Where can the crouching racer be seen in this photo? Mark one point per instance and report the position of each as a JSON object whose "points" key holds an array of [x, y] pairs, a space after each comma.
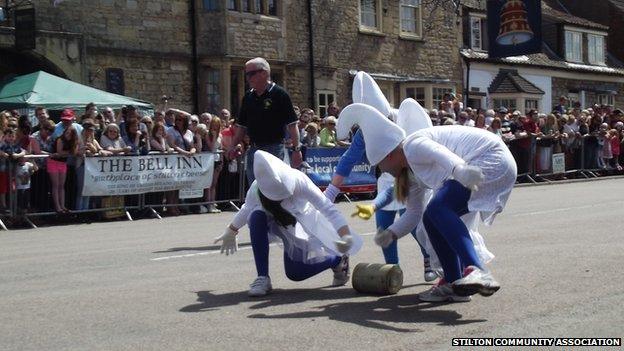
{"points": [[284, 205]]}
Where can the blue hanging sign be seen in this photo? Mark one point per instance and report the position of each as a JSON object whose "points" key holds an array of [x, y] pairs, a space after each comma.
{"points": [[514, 27]]}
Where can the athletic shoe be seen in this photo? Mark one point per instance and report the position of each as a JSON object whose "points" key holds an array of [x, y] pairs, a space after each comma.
{"points": [[260, 287], [477, 281], [203, 209], [341, 272], [442, 293], [212, 208], [430, 276]]}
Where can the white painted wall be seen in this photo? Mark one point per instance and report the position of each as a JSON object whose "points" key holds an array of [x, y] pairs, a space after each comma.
{"points": [[482, 78]]}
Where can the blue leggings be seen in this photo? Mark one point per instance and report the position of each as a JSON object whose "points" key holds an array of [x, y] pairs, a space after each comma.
{"points": [[295, 270], [448, 234], [384, 220]]}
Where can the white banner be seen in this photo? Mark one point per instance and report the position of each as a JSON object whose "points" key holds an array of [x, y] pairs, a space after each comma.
{"points": [[558, 163], [127, 175]]}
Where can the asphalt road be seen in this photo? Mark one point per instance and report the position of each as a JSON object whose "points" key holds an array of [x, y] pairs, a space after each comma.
{"points": [[162, 285]]}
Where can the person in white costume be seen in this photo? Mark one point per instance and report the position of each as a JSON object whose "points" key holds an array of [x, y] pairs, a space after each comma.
{"points": [[366, 91], [284, 205], [471, 172]]}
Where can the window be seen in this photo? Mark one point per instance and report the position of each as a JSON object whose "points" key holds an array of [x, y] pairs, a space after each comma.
{"points": [[438, 95], [478, 33], [272, 6], [232, 5], [417, 94], [246, 5], [531, 104], [574, 52], [369, 14], [410, 17], [509, 104], [213, 95], [605, 99], [595, 49], [259, 7], [323, 99], [210, 5], [574, 99]]}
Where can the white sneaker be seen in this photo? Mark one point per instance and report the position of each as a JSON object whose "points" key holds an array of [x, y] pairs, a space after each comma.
{"points": [[341, 272], [260, 287], [203, 209], [212, 208], [430, 276], [442, 293], [478, 281]]}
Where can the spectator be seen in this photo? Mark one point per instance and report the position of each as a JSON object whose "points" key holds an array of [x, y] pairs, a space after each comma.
{"points": [[496, 127], [158, 141], [266, 110], [67, 120], [136, 139], [205, 118], [170, 118], [23, 173], [328, 134], [332, 110], [225, 115], [312, 138], [42, 116], [65, 146], [180, 137], [604, 142], [615, 139], [489, 117], [109, 115], [547, 142], [479, 122], [112, 141], [149, 123], [88, 147], [562, 106], [213, 144], [25, 140], [182, 140], [10, 152]]}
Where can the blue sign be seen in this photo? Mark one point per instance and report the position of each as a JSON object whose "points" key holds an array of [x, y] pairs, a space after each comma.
{"points": [[514, 27], [323, 162]]}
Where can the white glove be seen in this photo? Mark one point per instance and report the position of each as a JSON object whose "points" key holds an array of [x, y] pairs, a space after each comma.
{"points": [[384, 238], [468, 176], [229, 242], [331, 192], [344, 243]]}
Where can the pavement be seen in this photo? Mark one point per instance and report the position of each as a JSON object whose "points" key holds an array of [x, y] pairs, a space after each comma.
{"points": [[162, 285]]}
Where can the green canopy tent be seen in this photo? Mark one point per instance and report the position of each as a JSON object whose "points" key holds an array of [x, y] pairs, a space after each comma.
{"points": [[55, 93]]}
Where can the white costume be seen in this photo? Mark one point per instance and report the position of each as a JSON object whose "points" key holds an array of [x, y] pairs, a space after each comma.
{"points": [[317, 218]]}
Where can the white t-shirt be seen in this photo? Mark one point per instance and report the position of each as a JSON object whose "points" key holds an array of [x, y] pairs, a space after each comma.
{"points": [[22, 175]]}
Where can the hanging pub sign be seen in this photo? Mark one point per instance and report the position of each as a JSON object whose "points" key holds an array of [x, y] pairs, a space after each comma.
{"points": [[514, 27], [25, 37]]}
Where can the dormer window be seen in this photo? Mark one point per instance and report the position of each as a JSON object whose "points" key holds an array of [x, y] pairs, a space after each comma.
{"points": [[573, 46], [478, 33], [595, 49]]}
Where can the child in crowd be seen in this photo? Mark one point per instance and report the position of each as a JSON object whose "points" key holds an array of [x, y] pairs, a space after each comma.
{"points": [[615, 149], [604, 142], [10, 150], [23, 172]]}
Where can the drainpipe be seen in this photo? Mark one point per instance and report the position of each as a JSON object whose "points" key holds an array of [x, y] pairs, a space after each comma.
{"points": [[195, 58], [467, 91], [311, 58]]}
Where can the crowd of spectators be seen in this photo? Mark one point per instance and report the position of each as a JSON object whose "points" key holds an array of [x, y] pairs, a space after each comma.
{"points": [[49, 157], [590, 138]]}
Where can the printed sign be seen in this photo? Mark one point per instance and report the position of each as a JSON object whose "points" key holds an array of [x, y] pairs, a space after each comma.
{"points": [[127, 175], [558, 163], [323, 162]]}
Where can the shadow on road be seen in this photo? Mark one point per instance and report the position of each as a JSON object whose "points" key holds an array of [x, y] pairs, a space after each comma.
{"points": [[198, 248], [372, 314]]}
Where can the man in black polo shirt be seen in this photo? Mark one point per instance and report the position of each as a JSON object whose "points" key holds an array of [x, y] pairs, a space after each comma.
{"points": [[265, 114]]}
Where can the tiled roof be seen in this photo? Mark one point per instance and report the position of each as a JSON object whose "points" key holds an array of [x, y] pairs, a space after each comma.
{"points": [[541, 60], [618, 3], [509, 81], [564, 17]]}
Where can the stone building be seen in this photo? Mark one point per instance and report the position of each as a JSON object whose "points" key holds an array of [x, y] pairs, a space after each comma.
{"points": [[195, 50], [575, 62]]}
